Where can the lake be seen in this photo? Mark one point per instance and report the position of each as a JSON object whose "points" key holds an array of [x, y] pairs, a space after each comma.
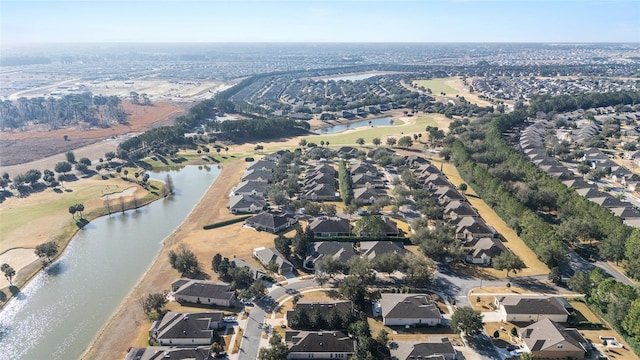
{"points": [[63, 308]]}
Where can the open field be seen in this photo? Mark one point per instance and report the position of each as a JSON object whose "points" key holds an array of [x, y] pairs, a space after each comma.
{"points": [[417, 334], [42, 149], [437, 86]]}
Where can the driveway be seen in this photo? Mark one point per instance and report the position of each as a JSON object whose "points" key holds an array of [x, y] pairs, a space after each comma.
{"points": [[250, 343]]}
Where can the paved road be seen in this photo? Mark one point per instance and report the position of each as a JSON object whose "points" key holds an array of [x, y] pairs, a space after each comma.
{"points": [[250, 343], [578, 264]]}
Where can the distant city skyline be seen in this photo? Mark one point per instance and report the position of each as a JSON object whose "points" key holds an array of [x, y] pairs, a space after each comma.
{"points": [[139, 21]]}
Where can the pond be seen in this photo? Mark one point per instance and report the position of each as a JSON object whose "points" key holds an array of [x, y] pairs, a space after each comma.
{"points": [[63, 308], [354, 124]]}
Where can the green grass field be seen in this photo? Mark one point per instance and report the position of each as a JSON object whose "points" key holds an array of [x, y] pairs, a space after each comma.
{"points": [[437, 86], [368, 134]]}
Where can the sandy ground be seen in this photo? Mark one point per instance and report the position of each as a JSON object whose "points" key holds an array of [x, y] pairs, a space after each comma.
{"points": [[29, 145], [124, 193], [464, 91]]}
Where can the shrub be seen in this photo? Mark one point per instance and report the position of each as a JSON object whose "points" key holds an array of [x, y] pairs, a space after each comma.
{"points": [[496, 334], [225, 223], [514, 332]]}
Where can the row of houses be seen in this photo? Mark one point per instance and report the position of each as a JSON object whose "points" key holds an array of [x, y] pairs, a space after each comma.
{"points": [[545, 337], [249, 195], [395, 309], [470, 228], [533, 146]]}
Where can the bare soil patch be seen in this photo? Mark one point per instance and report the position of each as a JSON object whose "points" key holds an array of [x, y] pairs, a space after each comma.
{"points": [[25, 146]]}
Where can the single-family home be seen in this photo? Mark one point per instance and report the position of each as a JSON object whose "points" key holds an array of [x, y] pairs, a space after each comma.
{"points": [[546, 339], [346, 152], [432, 350], [270, 222], [330, 226], [458, 208], [372, 249], [257, 175], [390, 227], [267, 255], [473, 227], [246, 204], [483, 250], [364, 180], [529, 309], [253, 188], [319, 345], [321, 192], [186, 329], [409, 309], [203, 292], [341, 251], [169, 352], [257, 273], [366, 195], [264, 165]]}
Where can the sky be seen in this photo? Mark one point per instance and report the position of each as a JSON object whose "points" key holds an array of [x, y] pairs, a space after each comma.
{"points": [[135, 21]]}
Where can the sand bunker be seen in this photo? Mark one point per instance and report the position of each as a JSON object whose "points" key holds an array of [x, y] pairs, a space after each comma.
{"points": [[124, 193]]}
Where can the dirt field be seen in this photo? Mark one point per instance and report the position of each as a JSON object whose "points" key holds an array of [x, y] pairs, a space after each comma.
{"points": [[23, 147]]}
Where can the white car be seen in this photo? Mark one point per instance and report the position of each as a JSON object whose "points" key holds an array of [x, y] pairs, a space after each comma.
{"points": [[229, 319]]}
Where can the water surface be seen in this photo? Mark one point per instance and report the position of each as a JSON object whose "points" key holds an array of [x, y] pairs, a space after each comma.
{"points": [[64, 307]]}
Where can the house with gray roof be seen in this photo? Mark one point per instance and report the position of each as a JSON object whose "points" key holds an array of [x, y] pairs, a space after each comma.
{"points": [[530, 308], [330, 226], [203, 292], [321, 192], [246, 204], [257, 273], [472, 228], [264, 165], [483, 250], [432, 350], [364, 180], [169, 352], [546, 339], [367, 195], [186, 329], [257, 175], [253, 188], [457, 209], [270, 221], [409, 309], [319, 345], [340, 250], [267, 255]]}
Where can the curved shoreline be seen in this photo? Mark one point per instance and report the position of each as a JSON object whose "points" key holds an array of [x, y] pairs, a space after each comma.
{"points": [[34, 271], [115, 336], [113, 316]]}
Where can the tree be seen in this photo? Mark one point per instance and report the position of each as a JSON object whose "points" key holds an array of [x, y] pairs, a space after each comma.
{"points": [[405, 142], [391, 141], [466, 320], [85, 161], [283, 245], [62, 167], [419, 270], [631, 323], [580, 282], [9, 272], [328, 265], [632, 253], [216, 348], [462, 187], [508, 261], [370, 226], [155, 302], [360, 141], [376, 141], [277, 350], [71, 157], [555, 275], [48, 250], [257, 288], [184, 260], [388, 262], [215, 262], [72, 211]]}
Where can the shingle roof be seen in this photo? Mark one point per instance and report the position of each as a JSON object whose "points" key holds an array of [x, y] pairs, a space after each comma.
{"points": [[176, 325], [408, 306], [546, 334], [269, 220], [330, 225], [166, 352], [319, 341], [245, 201], [201, 288], [271, 254], [246, 187], [532, 305]]}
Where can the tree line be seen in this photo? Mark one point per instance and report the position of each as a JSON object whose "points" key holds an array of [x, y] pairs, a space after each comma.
{"points": [[543, 211], [70, 109]]}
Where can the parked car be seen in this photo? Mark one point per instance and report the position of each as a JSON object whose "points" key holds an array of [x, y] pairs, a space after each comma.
{"points": [[229, 319]]}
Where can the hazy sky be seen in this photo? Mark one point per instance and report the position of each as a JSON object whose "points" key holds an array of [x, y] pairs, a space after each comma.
{"points": [[51, 21]]}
